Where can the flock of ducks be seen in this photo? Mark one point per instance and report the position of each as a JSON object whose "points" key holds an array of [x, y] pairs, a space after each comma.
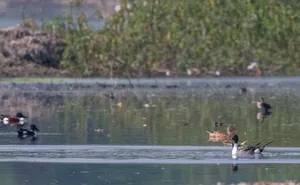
{"points": [[19, 121], [230, 138]]}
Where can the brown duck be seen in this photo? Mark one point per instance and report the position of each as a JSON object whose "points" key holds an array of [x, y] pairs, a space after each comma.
{"points": [[218, 136], [225, 138]]}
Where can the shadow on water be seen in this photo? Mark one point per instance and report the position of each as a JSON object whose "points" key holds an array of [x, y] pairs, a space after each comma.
{"points": [[99, 116]]}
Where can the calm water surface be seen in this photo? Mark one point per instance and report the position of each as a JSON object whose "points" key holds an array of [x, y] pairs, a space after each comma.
{"points": [[148, 135]]}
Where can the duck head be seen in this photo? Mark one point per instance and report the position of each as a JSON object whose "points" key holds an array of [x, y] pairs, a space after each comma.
{"points": [[230, 130], [20, 115], [235, 138], [34, 128]]}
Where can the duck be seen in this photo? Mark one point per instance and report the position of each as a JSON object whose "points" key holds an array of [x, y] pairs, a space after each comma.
{"points": [[246, 150], [224, 138], [218, 124], [229, 133], [13, 120], [217, 136], [22, 133], [243, 90], [262, 105]]}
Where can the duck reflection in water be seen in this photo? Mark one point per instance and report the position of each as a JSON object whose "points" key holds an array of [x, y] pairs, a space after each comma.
{"points": [[264, 110], [234, 167], [262, 115], [25, 133]]}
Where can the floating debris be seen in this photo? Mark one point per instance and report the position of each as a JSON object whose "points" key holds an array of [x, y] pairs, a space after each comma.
{"points": [[120, 105], [99, 130], [144, 125]]}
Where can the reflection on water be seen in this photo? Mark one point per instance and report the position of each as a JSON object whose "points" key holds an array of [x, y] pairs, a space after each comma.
{"points": [[142, 174], [151, 116], [126, 154], [79, 122]]}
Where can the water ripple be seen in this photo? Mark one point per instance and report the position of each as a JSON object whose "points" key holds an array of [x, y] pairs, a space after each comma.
{"points": [[139, 154]]}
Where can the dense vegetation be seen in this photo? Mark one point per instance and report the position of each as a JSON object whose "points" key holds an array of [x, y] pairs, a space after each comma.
{"points": [[150, 36]]}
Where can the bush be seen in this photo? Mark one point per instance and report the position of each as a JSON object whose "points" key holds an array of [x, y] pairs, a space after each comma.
{"points": [[146, 36]]}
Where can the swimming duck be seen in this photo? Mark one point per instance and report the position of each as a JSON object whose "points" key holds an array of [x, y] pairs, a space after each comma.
{"points": [[246, 150], [22, 133], [13, 120], [218, 124], [229, 132], [217, 136], [243, 90], [261, 104]]}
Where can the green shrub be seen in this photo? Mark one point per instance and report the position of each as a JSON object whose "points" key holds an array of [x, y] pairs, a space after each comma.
{"points": [[178, 34]]}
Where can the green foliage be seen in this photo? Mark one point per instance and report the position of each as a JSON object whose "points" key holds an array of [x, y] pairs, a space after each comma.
{"points": [[78, 55], [149, 35]]}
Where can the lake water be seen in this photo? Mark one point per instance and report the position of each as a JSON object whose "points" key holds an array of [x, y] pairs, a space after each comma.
{"points": [[152, 132], [15, 15]]}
